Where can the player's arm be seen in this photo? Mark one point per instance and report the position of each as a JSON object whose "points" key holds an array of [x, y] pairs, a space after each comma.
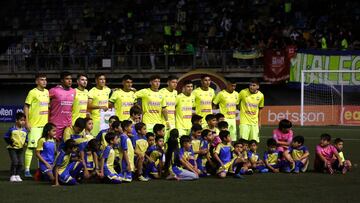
{"points": [[102, 163], [288, 156], [322, 158], [216, 156], [338, 158], [82, 159], [91, 106], [26, 112], [7, 138], [187, 164], [126, 157], [38, 155], [165, 114], [305, 155]]}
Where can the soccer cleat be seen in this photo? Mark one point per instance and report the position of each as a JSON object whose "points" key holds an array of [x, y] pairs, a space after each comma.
{"points": [[13, 178], [249, 172], [28, 174], [265, 170], [127, 180], [18, 178], [238, 176], [143, 179]]}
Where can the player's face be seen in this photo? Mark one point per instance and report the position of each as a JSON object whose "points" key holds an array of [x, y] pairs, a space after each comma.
{"points": [[21, 122], [160, 143], [210, 137], [324, 142], [339, 145], [197, 133], [246, 146], [231, 87], [213, 122], [89, 125], [161, 132], [295, 145], [111, 122], [101, 81], [82, 82], [52, 132], [206, 82], [187, 145], [172, 84], [42, 82], [272, 148], [151, 140], [188, 88], [155, 84], [67, 81], [228, 139], [285, 130], [239, 148], [136, 118], [253, 87], [143, 131], [118, 130], [127, 84], [253, 147], [129, 128]]}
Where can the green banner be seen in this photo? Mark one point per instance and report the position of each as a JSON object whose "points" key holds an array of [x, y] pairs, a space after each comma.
{"points": [[326, 60]]}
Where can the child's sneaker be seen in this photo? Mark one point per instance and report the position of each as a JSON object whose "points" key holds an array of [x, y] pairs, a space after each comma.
{"points": [[18, 178], [249, 172], [345, 169], [27, 174], [13, 178], [238, 176], [287, 169], [330, 169], [143, 179], [265, 170], [296, 170]]}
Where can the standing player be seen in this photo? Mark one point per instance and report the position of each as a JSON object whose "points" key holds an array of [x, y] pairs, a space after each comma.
{"points": [[204, 96], [61, 102], [184, 104], [251, 102], [98, 100], [153, 103], [36, 115], [169, 94], [123, 99], [227, 100], [81, 98]]}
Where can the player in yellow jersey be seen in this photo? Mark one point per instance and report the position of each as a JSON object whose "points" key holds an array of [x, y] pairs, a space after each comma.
{"points": [[123, 99], [227, 100], [79, 108], [153, 103], [204, 97], [251, 102], [36, 111], [98, 100], [184, 104], [169, 94]]}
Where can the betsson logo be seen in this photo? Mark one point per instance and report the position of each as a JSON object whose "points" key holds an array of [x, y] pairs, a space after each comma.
{"points": [[295, 116]]}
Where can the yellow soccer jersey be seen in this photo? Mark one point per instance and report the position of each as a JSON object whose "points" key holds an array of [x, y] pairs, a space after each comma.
{"points": [[17, 136], [80, 104], [99, 98], [195, 144], [141, 146], [123, 101], [152, 104], [203, 101], [184, 105], [227, 103], [170, 101], [249, 106], [38, 102]]}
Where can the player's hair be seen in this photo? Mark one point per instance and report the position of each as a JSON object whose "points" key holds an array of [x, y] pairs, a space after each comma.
{"points": [[172, 148], [219, 115], [139, 126], [149, 134], [40, 75], [271, 142], [93, 145], [80, 123], [47, 128], [231, 81], [195, 118], [223, 124], [254, 80], [116, 118], [126, 77], [154, 77], [243, 141], [135, 110], [238, 143], [223, 134], [284, 123], [338, 140], [205, 133], [210, 117], [87, 119], [64, 74], [116, 124], [203, 76], [19, 115], [171, 77], [253, 142], [157, 127], [184, 139], [69, 144], [326, 137], [110, 136], [299, 139], [157, 138], [97, 75], [174, 133], [81, 75], [186, 82], [196, 127], [125, 124]]}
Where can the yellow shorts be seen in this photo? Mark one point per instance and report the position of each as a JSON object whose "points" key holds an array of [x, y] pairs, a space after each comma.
{"points": [[34, 136], [232, 128], [249, 132]]}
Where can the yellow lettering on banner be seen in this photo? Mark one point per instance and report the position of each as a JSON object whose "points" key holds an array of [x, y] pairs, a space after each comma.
{"points": [[356, 115], [347, 115]]}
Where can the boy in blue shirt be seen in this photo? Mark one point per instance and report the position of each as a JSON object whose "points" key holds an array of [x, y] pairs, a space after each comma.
{"points": [[254, 158], [272, 156], [126, 152], [155, 158], [297, 155], [67, 171], [16, 138], [222, 153], [108, 159]]}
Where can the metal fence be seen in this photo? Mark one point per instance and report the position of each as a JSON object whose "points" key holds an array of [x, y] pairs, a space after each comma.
{"points": [[11, 63]]}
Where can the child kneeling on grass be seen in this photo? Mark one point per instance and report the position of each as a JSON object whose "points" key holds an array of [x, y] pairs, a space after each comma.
{"points": [[297, 156]]}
